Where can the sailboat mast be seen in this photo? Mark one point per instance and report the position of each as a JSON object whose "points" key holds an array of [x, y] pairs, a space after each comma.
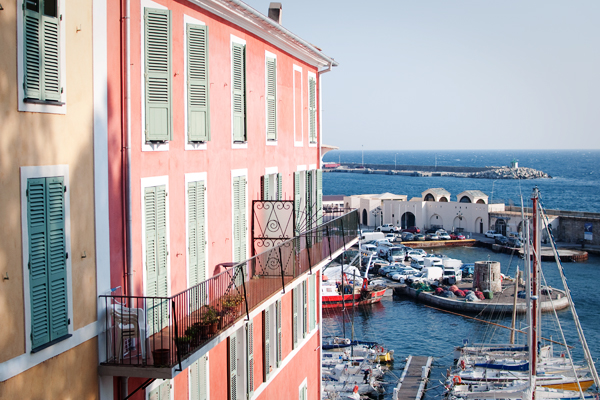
{"points": [[534, 285]]}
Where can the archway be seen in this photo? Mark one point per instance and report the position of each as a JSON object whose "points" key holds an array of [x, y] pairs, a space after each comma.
{"points": [[501, 226], [465, 199], [365, 215], [480, 201], [407, 220], [478, 225], [458, 224], [429, 197], [436, 221], [443, 199]]}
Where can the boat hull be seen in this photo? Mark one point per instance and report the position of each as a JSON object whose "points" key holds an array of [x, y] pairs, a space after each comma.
{"points": [[348, 300]]}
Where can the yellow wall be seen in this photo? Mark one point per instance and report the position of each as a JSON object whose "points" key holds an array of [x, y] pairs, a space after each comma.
{"points": [[39, 139], [71, 375]]}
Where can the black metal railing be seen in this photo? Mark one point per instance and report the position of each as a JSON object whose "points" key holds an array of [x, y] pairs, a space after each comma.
{"points": [[162, 331]]}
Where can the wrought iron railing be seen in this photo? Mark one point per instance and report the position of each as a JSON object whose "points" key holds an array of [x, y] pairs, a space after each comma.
{"points": [[161, 331]]}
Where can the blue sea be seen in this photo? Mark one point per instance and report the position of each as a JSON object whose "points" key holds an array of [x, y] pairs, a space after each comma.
{"points": [[411, 328], [575, 182]]}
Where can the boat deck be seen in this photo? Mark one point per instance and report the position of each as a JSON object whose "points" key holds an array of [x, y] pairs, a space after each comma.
{"points": [[414, 378]]}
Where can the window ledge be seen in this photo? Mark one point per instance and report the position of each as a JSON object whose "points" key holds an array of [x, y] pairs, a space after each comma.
{"points": [[46, 102], [42, 347]]}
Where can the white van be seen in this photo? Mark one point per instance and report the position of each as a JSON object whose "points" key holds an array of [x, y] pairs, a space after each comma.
{"points": [[433, 262], [372, 236]]}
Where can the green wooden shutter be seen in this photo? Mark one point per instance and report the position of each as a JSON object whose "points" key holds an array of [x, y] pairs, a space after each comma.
{"points": [[38, 261], [312, 110], [250, 358], [271, 98], [238, 58], [279, 187], [195, 381], [41, 53], [193, 234], [197, 85], [203, 378], [319, 202], [157, 70], [297, 201], [265, 187], [59, 314], [50, 58], [233, 395], [32, 82], [239, 218], [313, 302], [156, 256], [295, 316], [267, 341], [309, 196], [164, 391], [305, 309], [279, 342], [154, 394]]}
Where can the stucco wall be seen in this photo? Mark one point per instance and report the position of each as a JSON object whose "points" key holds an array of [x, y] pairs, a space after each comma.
{"points": [[40, 139]]}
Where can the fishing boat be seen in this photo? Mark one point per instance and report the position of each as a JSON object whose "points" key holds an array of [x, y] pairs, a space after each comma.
{"points": [[534, 373]]}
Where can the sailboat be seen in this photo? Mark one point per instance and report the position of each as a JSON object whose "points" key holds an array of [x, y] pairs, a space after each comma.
{"points": [[534, 382]]}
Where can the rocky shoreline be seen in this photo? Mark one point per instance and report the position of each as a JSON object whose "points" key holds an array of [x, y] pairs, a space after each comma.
{"points": [[510, 173]]}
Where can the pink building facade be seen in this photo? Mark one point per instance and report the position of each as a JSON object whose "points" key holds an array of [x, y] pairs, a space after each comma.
{"points": [[213, 114]]}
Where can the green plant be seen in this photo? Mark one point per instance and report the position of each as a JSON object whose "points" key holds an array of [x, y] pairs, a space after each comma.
{"points": [[210, 316], [232, 300]]}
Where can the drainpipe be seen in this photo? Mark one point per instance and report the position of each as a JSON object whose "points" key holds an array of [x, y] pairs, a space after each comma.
{"points": [[129, 283], [319, 73]]}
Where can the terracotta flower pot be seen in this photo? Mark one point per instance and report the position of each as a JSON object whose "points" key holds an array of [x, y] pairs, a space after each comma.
{"points": [[161, 357]]}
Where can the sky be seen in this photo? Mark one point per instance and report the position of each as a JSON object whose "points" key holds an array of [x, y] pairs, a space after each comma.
{"points": [[440, 74]]}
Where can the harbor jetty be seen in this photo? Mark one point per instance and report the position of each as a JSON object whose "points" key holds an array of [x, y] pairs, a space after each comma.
{"points": [[438, 170], [414, 378]]}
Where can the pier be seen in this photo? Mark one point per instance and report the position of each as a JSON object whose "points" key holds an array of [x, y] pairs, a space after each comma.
{"points": [[414, 378]]}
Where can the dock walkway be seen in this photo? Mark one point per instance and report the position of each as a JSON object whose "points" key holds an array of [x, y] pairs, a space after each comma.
{"points": [[414, 378]]}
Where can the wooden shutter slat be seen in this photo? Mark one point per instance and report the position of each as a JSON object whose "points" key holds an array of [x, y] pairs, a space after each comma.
{"points": [[193, 234], [233, 367], [239, 92], [50, 59], [267, 341], [33, 58], [279, 186], [250, 358]]}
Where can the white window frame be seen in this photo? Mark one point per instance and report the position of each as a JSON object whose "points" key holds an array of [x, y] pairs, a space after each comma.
{"points": [[303, 388], [234, 174], [189, 145], [234, 39], [44, 172], [301, 142], [271, 142], [145, 183], [147, 146], [272, 172], [314, 76], [33, 107], [195, 177]]}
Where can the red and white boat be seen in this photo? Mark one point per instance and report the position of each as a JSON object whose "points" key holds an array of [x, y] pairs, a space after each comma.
{"points": [[332, 297]]}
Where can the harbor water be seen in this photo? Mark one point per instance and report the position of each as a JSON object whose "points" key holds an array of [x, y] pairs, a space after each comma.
{"points": [[411, 328]]}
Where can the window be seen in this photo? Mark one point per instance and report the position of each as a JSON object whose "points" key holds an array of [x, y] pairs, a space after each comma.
{"points": [[298, 106], [272, 186], [42, 71], [199, 379], [299, 313], [241, 363], [270, 340], [312, 108], [239, 218], [157, 75], [238, 91], [271, 96], [303, 391], [308, 199], [249, 359], [156, 255], [313, 302], [198, 111], [278, 339], [47, 260]]}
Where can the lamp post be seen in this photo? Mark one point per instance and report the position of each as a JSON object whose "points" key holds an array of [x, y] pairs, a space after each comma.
{"points": [[377, 211]]}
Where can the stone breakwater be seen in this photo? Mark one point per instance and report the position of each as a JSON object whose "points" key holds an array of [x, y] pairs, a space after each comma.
{"points": [[510, 173], [454, 171]]}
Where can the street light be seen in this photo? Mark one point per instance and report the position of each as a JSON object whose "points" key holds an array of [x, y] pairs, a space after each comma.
{"points": [[377, 211]]}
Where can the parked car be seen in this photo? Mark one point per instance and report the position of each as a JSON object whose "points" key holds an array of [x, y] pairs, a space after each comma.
{"points": [[468, 270], [407, 236], [415, 254], [502, 240], [514, 242], [457, 236], [490, 234], [386, 228], [412, 229], [390, 236], [432, 236], [417, 263], [419, 236], [444, 236]]}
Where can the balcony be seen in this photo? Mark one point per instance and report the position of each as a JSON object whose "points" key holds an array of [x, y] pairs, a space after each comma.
{"points": [[158, 337]]}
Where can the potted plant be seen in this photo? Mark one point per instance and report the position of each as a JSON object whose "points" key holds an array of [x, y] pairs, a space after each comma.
{"points": [[231, 302], [211, 318], [184, 343]]}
